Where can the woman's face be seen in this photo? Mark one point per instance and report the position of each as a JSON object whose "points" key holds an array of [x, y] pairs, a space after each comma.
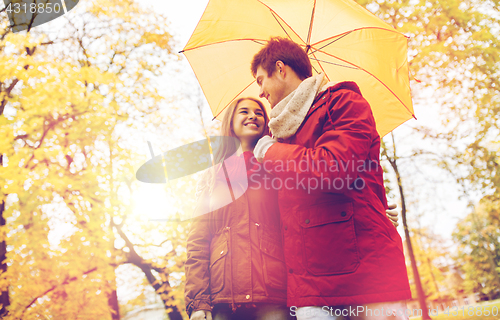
{"points": [[248, 121]]}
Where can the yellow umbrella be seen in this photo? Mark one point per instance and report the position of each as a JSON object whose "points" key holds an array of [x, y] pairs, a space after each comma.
{"points": [[342, 39]]}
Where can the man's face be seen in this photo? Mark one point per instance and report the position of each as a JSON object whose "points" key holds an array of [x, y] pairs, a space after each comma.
{"points": [[272, 88]]}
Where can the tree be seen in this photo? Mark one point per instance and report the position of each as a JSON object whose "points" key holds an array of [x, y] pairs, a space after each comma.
{"points": [[431, 256], [66, 102], [478, 238], [4, 295], [392, 157]]}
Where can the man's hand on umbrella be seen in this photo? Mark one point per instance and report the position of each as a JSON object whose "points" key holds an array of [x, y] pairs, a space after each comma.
{"points": [[393, 214]]}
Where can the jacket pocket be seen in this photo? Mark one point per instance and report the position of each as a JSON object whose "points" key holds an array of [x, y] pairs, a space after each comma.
{"points": [[329, 238], [273, 261], [218, 265]]}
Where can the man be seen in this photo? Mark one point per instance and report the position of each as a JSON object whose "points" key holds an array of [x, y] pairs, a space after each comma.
{"points": [[344, 258]]}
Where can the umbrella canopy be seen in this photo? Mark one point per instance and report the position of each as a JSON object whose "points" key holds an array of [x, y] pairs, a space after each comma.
{"points": [[343, 40]]}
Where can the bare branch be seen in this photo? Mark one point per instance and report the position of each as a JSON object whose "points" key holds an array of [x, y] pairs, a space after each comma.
{"points": [[54, 287]]}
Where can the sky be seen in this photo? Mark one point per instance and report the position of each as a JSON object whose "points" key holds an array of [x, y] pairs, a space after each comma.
{"points": [[184, 15]]}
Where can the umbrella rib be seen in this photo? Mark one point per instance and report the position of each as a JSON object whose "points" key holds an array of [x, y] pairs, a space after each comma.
{"points": [[277, 15], [257, 41], [359, 68], [218, 114], [358, 29], [324, 72], [224, 41], [317, 70], [335, 64], [274, 16], [310, 26], [337, 39]]}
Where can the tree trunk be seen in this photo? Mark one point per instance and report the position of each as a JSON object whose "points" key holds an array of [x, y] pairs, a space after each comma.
{"points": [[440, 300], [113, 304], [416, 275], [414, 268], [162, 288], [4, 295]]}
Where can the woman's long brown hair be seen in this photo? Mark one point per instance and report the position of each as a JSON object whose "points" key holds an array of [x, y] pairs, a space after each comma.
{"points": [[228, 147]]}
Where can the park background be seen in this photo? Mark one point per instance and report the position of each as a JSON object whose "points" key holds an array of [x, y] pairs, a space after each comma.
{"points": [[80, 96]]}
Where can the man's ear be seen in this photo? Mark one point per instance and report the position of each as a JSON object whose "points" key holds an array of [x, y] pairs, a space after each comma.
{"points": [[280, 68]]}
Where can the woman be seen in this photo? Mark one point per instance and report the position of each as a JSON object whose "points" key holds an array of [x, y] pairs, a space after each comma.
{"points": [[235, 266]]}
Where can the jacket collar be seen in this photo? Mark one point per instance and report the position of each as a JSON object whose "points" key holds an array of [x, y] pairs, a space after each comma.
{"points": [[289, 113]]}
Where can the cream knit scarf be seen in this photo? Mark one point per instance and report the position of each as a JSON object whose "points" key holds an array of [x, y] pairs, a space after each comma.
{"points": [[288, 114]]}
